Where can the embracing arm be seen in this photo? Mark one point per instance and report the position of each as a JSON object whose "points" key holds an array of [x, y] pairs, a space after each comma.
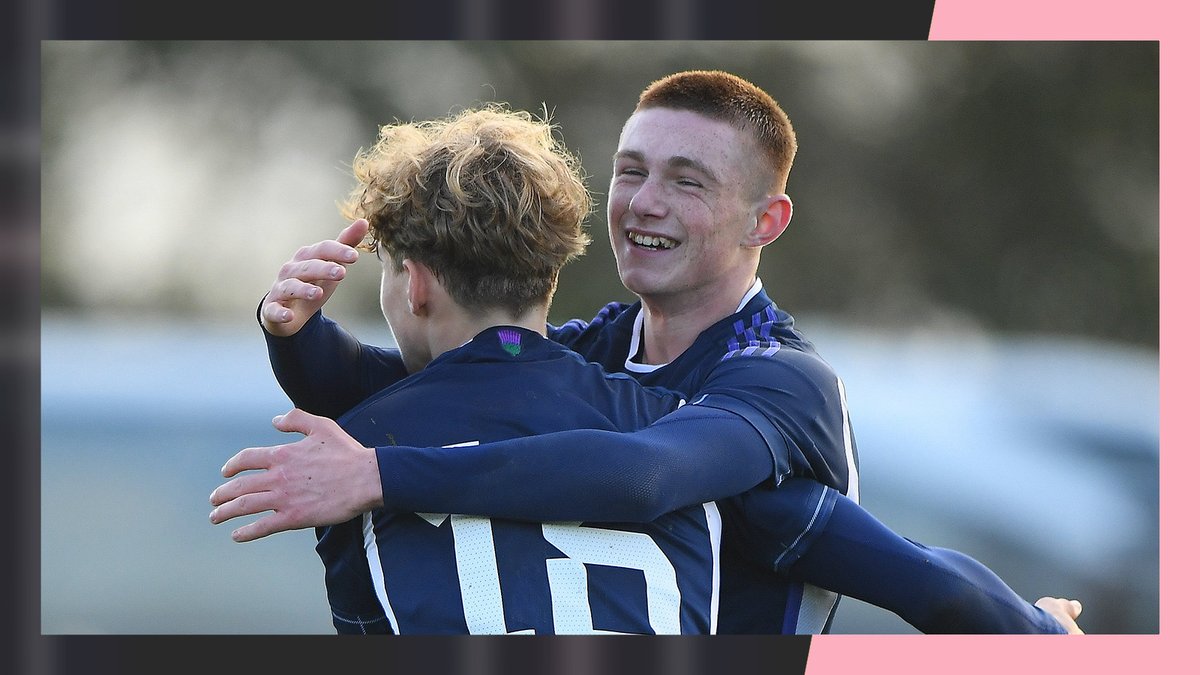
{"points": [[709, 449], [695, 454], [326, 371], [936, 590], [322, 368], [739, 431]]}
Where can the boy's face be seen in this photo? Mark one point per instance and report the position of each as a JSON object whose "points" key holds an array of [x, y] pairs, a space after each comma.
{"points": [[679, 203]]}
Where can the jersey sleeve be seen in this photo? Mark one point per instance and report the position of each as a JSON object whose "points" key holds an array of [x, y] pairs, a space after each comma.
{"points": [[795, 402], [693, 455], [568, 333], [756, 420], [577, 334], [775, 526], [936, 590], [326, 371]]}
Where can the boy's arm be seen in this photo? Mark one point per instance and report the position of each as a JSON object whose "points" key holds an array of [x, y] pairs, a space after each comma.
{"points": [[345, 374], [693, 455], [936, 590], [696, 454], [322, 368], [723, 443]]}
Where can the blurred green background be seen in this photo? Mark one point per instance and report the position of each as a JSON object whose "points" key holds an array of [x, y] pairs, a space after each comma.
{"points": [[974, 249]]}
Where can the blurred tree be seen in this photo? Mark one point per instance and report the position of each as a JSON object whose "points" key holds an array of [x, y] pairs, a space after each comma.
{"points": [[1007, 186]]}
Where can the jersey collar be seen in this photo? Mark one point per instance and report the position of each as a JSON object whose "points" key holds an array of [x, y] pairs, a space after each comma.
{"points": [[635, 339]]}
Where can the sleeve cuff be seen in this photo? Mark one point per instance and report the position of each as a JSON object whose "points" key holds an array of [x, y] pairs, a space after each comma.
{"points": [[776, 443]]}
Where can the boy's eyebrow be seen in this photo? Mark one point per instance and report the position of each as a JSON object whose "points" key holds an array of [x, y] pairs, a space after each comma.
{"points": [[693, 164], [675, 162]]}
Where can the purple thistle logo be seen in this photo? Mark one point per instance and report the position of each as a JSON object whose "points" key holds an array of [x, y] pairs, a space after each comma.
{"points": [[510, 340]]}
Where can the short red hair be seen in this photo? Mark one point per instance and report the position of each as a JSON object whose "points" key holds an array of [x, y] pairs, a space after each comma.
{"points": [[732, 99]]}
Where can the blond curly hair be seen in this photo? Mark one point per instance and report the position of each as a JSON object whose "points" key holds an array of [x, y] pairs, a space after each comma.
{"points": [[490, 199]]}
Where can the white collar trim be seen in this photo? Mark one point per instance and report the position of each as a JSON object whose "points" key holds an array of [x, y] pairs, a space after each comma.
{"points": [[635, 341]]}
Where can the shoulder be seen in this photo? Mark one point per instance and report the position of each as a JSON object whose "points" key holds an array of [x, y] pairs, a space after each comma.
{"points": [[761, 341], [787, 374], [617, 382], [577, 332], [758, 327], [575, 386], [607, 314]]}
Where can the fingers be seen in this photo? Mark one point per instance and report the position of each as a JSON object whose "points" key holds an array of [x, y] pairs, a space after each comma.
{"points": [[243, 505], [330, 252], [284, 481], [267, 525], [288, 295], [296, 420], [250, 504], [286, 290], [247, 460], [250, 494], [247, 484], [1073, 608], [313, 270], [306, 282], [250, 459], [354, 233], [276, 313], [1064, 611]]}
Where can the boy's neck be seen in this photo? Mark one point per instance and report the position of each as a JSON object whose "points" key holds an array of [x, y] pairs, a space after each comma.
{"points": [[669, 328], [460, 327]]}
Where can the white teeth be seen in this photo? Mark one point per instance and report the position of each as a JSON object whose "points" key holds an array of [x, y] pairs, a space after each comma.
{"points": [[652, 242]]}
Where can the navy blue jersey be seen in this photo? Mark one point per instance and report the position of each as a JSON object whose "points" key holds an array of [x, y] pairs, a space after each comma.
{"points": [[764, 406], [774, 390], [451, 573], [755, 364]]}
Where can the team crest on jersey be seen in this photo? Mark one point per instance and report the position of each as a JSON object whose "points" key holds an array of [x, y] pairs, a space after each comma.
{"points": [[510, 341]]}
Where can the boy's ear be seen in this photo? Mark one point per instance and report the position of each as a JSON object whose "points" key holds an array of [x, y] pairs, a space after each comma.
{"points": [[773, 218], [418, 286]]}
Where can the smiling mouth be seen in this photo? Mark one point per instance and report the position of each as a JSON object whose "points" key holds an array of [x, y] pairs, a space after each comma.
{"points": [[651, 242]]}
